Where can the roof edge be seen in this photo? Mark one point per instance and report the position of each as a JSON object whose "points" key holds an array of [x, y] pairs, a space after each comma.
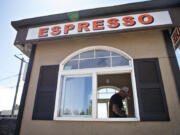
{"points": [[95, 12]]}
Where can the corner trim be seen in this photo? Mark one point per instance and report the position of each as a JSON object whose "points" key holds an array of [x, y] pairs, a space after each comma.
{"points": [[173, 60], [24, 93]]}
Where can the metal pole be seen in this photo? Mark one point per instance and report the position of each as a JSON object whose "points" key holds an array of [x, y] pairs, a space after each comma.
{"points": [[17, 86]]}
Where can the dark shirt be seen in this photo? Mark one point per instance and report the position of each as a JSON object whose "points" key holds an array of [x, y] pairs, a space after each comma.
{"points": [[115, 99]]}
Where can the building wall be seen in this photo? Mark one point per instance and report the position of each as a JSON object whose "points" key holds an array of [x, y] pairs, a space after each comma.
{"points": [[142, 44]]}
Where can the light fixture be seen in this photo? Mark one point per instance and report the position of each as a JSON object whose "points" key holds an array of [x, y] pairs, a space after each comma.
{"points": [[107, 80]]}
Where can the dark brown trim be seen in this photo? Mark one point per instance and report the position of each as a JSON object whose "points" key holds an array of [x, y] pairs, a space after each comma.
{"points": [[174, 13], [25, 90], [21, 36], [173, 60]]}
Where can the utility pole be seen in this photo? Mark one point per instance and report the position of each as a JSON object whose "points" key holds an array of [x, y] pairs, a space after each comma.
{"points": [[17, 86]]}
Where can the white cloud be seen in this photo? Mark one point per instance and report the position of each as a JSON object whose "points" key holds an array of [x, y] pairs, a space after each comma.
{"points": [[7, 97]]}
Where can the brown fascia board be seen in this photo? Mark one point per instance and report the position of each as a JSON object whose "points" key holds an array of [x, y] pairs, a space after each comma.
{"points": [[104, 11]]}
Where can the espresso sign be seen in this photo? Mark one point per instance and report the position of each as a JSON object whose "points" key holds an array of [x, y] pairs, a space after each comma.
{"points": [[117, 23]]}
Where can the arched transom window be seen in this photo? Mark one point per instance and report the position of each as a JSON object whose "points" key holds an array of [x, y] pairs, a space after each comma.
{"points": [[95, 59]]}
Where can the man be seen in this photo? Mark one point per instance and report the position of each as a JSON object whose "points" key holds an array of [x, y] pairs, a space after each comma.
{"points": [[116, 108]]}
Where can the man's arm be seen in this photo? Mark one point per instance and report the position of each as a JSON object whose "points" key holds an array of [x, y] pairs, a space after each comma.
{"points": [[117, 110]]}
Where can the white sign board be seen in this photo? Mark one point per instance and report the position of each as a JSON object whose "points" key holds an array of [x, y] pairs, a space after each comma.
{"points": [[100, 25]]}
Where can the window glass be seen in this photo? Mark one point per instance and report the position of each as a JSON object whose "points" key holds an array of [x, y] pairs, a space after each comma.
{"points": [[94, 63], [102, 53], [75, 57], [103, 90], [114, 54], [178, 56], [77, 96], [96, 59], [88, 54], [102, 112], [106, 93], [73, 64], [119, 61], [111, 90]]}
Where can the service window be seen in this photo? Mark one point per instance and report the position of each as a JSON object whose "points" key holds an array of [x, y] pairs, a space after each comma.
{"points": [[109, 85]]}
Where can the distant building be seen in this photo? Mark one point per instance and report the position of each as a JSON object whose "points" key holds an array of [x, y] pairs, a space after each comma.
{"points": [[5, 113], [78, 60]]}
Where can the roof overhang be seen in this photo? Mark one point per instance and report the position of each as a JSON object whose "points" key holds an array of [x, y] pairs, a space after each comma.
{"points": [[22, 26]]}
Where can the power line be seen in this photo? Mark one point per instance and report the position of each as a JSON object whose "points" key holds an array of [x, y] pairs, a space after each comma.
{"points": [[8, 77], [13, 86]]}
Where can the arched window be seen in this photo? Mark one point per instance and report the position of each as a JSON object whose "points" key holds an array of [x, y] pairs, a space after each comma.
{"points": [[83, 72], [96, 59], [104, 94]]}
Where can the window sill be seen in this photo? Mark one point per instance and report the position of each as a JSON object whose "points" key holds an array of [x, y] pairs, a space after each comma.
{"points": [[93, 119]]}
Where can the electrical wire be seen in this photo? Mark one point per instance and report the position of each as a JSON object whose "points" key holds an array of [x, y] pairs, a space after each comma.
{"points": [[8, 77], [14, 86]]}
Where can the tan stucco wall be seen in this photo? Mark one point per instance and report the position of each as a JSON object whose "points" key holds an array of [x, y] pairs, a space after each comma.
{"points": [[144, 44]]}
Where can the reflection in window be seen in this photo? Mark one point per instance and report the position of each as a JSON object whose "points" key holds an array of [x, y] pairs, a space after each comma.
{"points": [[88, 54], [178, 56], [102, 53], [94, 63], [72, 64], [102, 110], [96, 59], [77, 93], [104, 95]]}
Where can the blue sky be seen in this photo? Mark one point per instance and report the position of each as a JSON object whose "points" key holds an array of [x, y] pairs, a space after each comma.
{"points": [[12, 10], [21, 9]]}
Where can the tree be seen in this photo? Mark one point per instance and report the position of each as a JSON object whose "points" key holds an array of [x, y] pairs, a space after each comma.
{"points": [[16, 107]]}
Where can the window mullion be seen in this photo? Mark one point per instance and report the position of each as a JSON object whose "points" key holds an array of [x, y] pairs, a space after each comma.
{"points": [[62, 100], [136, 107], [94, 96], [110, 59]]}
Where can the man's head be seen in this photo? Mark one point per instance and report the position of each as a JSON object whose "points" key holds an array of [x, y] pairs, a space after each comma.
{"points": [[124, 92]]}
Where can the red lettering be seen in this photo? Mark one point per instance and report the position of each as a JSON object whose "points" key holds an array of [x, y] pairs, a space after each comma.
{"points": [[82, 26], [98, 25], [43, 32], [113, 23], [128, 21], [68, 27], [55, 30], [149, 20], [176, 37]]}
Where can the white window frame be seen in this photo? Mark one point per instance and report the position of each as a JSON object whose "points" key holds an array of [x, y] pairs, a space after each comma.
{"points": [[94, 72]]}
